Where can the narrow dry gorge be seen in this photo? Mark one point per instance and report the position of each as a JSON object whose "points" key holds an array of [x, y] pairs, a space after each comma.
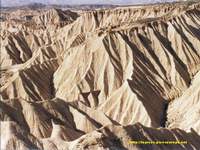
{"points": [[96, 79]]}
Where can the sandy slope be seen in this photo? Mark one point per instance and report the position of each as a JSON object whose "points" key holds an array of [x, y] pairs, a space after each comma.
{"points": [[97, 79]]}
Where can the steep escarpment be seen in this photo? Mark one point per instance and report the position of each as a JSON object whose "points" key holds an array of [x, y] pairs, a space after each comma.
{"points": [[147, 60], [102, 78], [188, 108], [56, 17]]}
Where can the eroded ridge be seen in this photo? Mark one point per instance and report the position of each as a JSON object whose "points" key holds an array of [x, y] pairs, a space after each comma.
{"points": [[96, 79]]}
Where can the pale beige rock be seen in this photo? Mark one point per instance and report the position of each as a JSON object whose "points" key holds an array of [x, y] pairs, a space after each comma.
{"points": [[186, 117], [99, 78]]}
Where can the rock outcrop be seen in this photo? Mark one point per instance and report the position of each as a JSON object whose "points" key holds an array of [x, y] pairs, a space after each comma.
{"points": [[98, 79]]}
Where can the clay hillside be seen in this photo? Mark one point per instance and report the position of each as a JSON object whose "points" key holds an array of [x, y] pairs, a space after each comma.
{"points": [[75, 79]]}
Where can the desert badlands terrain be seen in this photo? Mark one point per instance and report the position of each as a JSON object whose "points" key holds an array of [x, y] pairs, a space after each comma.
{"points": [[77, 79]]}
